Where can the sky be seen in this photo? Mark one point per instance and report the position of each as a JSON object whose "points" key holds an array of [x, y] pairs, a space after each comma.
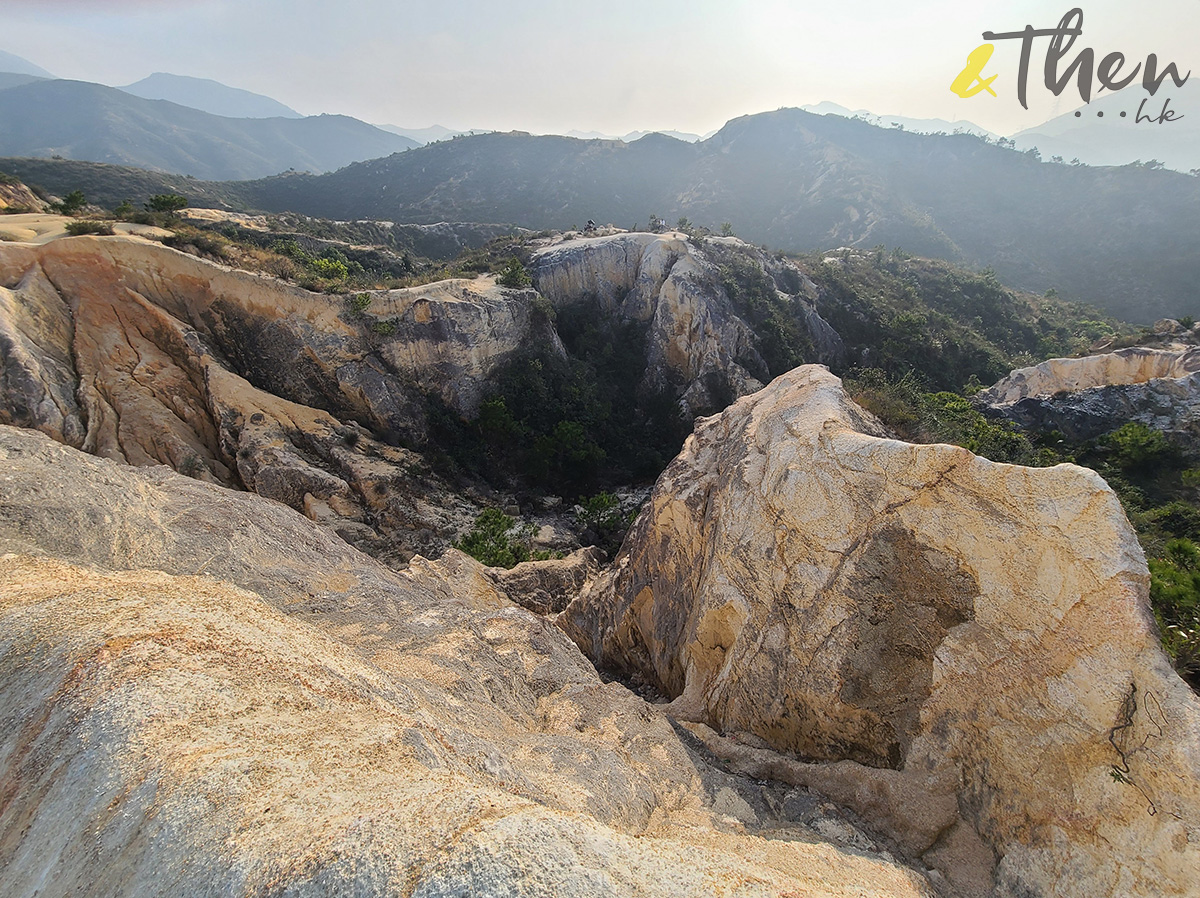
{"points": [[613, 66]]}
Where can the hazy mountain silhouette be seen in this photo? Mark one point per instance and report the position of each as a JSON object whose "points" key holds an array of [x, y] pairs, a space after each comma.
{"points": [[209, 96], [15, 64], [1100, 135], [81, 120]]}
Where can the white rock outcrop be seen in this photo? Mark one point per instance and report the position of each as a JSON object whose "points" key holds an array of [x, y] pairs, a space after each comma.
{"points": [[962, 650], [1135, 365], [1087, 397]]}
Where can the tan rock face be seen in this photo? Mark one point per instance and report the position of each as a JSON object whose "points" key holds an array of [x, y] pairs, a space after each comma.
{"points": [[1086, 398], [928, 630], [547, 587], [132, 351], [204, 694], [15, 195]]}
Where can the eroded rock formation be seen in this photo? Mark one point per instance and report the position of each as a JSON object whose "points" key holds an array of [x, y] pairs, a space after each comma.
{"points": [[136, 352], [1135, 365], [698, 347], [145, 355], [15, 195], [1086, 397], [960, 649], [204, 694]]}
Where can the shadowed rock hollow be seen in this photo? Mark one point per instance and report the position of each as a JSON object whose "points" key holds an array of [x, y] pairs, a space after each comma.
{"points": [[961, 650], [139, 353]]}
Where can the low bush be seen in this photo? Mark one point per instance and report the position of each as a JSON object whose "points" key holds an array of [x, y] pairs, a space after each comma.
{"points": [[497, 540], [87, 226], [514, 275]]}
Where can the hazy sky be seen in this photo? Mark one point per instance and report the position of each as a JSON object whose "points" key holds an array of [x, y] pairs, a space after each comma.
{"points": [[604, 65]]}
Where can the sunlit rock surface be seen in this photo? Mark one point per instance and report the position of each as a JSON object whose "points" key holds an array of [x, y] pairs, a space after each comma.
{"points": [[202, 693], [962, 650]]}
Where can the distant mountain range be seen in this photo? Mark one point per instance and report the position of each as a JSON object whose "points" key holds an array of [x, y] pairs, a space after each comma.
{"points": [[919, 125], [431, 134], [685, 136], [16, 65], [1100, 135], [1127, 239], [81, 120], [209, 96]]}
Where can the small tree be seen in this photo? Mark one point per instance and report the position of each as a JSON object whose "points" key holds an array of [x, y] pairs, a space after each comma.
{"points": [[514, 275], [497, 540], [169, 203], [72, 202]]}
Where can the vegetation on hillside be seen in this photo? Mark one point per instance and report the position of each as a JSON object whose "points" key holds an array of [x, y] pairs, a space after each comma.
{"points": [[569, 426], [954, 326]]}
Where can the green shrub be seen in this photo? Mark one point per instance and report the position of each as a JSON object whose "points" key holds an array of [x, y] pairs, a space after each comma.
{"points": [[497, 540], [167, 203], [87, 226], [544, 308], [514, 275], [200, 241], [359, 302], [1135, 447], [335, 269], [602, 515], [71, 203], [384, 328]]}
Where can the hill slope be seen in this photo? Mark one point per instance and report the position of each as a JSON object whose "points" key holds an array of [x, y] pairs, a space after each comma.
{"points": [[1127, 238], [88, 121]]}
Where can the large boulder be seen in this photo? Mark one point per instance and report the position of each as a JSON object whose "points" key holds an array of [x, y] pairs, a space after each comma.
{"points": [[201, 693], [961, 649]]}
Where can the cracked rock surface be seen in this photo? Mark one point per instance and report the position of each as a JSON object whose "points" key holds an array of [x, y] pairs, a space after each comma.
{"points": [[204, 694], [961, 650]]}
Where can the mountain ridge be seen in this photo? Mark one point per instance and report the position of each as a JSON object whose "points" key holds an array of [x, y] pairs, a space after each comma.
{"points": [[84, 120], [802, 182], [208, 96]]}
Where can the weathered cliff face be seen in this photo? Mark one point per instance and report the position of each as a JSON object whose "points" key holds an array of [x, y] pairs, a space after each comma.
{"points": [[202, 693], [963, 649], [145, 355], [694, 338], [1135, 365], [697, 347], [140, 353], [1086, 397], [304, 347]]}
